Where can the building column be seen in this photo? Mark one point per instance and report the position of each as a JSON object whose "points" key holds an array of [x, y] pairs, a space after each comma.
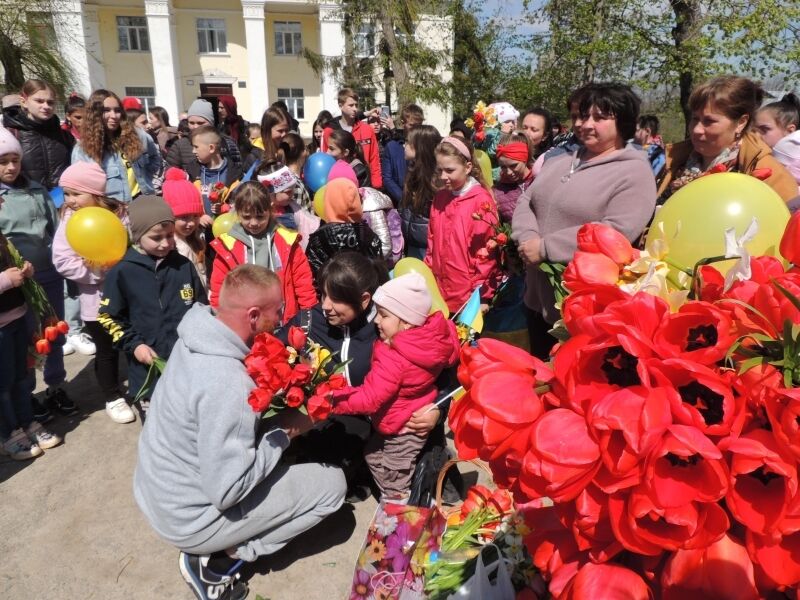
{"points": [[164, 53], [255, 38], [331, 45], [78, 39]]}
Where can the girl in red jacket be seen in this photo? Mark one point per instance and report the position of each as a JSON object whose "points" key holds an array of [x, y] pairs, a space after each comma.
{"points": [[457, 252], [413, 350], [257, 239]]}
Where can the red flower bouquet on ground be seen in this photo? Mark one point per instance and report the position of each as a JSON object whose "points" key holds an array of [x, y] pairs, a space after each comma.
{"points": [[658, 452], [301, 375]]}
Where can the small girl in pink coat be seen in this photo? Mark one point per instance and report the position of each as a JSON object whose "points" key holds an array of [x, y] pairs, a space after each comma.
{"points": [[413, 350]]}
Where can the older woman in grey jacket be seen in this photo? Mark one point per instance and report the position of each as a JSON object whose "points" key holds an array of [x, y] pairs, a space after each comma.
{"points": [[603, 181]]}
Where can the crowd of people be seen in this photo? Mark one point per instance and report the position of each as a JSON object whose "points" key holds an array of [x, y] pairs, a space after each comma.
{"points": [[212, 479]]}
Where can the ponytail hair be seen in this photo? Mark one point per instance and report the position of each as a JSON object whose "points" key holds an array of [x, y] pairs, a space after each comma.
{"points": [[446, 148], [346, 141], [786, 111], [290, 150]]}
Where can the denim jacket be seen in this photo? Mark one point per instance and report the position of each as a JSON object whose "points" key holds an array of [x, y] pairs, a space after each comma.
{"points": [[146, 168]]}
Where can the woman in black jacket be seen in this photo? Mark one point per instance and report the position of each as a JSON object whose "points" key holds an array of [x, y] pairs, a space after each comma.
{"points": [[46, 148]]}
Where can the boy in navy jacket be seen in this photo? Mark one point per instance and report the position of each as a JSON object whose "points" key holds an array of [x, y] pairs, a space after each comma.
{"points": [[147, 293]]}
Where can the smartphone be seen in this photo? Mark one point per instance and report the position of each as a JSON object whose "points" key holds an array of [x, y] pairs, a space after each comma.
{"points": [[385, 112]]}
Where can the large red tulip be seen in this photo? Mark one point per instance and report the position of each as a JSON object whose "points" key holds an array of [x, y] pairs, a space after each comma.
{"points": [[589, 269], [783, 409], [763, 480], [721, 571], [790, 242], [580, 309], [606, 582], [591, 525], [698, 331], [778, 558], [603, 239], [562, 459]]}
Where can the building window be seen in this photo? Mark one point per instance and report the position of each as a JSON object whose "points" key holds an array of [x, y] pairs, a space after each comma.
{"points": [[364, 40], [294, 99], [211, 36], [132, 34], [41, 30], [146, 95], [288, 37]]}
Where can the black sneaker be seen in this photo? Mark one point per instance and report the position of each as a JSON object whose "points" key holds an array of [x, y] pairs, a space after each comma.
{"points": [[40, 411], [208, 585], [58, 399]]}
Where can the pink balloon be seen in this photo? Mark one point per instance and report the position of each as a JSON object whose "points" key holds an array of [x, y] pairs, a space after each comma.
{"points": [[341, 169]]}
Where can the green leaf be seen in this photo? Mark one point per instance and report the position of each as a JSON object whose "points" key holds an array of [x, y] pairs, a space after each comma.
{"points": [[789, 295], [750, 363]]}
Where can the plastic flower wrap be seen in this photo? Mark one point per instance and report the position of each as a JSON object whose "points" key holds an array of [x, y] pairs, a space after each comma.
{"points": [[483, 118]]}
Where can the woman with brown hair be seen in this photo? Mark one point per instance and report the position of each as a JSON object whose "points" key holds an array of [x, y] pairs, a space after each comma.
{"points": [[722, 137], [46, 148], [419, 188], [128, 155]]}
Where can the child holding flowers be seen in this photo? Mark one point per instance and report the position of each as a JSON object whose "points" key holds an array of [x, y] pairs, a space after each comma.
{"points": [[259, 239], [84, 184], [460, 227], [413, 351]]}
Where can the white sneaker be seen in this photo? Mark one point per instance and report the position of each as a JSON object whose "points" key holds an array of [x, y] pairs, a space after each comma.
{"points": [[41, 437], [82, 343], [67, 348], [19, 447], [119, 411]]}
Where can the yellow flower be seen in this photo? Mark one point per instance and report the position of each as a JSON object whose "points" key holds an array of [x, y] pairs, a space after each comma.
{"points": [[375, 551], [469, 123], [419, 559]]}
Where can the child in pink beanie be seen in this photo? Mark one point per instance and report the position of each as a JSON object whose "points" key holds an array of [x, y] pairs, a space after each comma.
{"points": [[84, 185], [414, 349], [184, 199]]}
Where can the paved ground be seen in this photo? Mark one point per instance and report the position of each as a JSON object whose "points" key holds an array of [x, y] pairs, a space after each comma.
{"points": [[70, 529]]}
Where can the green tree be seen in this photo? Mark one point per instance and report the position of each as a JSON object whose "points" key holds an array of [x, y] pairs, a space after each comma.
{"points": [[27, 46]]}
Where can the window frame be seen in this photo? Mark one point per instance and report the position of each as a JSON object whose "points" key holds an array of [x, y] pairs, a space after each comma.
{"points": [[284, 30], [208, 34], [140, 29], [362, 37], [294, 100], [131, 90]]}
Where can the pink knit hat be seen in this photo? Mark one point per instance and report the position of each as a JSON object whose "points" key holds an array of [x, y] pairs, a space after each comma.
{"points": [[406, 296], [182, 196], [84, 177], [341, 169], [9, 144]]}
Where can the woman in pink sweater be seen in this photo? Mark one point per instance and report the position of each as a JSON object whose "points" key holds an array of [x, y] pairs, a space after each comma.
{"points": [[413, 350]]}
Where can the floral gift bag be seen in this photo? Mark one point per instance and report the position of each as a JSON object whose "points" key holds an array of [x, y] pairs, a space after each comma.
{"points": [[399, 541]]}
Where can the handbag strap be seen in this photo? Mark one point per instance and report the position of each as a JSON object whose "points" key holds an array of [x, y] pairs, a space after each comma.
{"points": [[443, 473]]}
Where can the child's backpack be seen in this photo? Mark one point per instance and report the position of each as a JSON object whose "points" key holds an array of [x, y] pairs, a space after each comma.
{"points": [[385, 221]]}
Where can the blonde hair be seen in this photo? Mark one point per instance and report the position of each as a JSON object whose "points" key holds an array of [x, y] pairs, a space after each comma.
{"points": [[245, 277], [445, 148]]}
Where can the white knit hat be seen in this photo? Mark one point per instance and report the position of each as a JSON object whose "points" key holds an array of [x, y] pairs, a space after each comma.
{"points": [[787, 152], [504, 112], [406, 296]]}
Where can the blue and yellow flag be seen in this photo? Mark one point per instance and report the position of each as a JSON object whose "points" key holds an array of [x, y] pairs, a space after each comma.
{"points": [[471, 314]]}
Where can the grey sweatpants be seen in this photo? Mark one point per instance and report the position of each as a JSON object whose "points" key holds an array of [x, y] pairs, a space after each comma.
{"points": [[289, 501]]}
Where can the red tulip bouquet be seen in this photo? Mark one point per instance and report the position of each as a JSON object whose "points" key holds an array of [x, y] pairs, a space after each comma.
{"points": [[300, 375], [665, 430]]}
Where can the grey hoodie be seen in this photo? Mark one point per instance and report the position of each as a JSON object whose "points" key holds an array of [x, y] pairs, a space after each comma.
{"points": [[199, 453], [618, 190]]}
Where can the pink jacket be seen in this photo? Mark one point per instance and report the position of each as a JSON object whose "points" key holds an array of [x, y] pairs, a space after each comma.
{"points": [[71, 266], [402, 377], [454, 239]]}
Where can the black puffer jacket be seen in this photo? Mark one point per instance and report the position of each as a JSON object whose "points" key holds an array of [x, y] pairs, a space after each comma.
{"points": [[180, 153], [46, 148]]}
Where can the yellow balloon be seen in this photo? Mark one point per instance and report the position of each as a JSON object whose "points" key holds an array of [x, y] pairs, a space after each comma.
{"points": [[223, 223], [485, 163], [415, 265], [319, 202], [695, 218], [97, 235]]}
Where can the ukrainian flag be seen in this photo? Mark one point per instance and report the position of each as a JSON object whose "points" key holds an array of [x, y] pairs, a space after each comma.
{"points": [[471, 314]]}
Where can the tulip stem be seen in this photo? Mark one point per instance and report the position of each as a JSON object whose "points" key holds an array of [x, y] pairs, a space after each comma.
{"points": [[678, 266]]}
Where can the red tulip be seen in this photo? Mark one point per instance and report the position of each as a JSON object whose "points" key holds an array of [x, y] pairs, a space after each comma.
{"points": [[790, 242], [498, 501], [778, 558], [721, 571], [627, 423], [297, 337], [698, 331], [602, 239], [700, 396], [763, 480], [581, 309], [606, 582], [42, 346], [783, 409], [490, 355], [294, 397], [685, 467], [562, 458], [301, 375], [51, 334], [712, 283], [644, 527], [319, 408], [774, 305], [591, 526], [62, 327], [259, 399], [589, 269]]}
